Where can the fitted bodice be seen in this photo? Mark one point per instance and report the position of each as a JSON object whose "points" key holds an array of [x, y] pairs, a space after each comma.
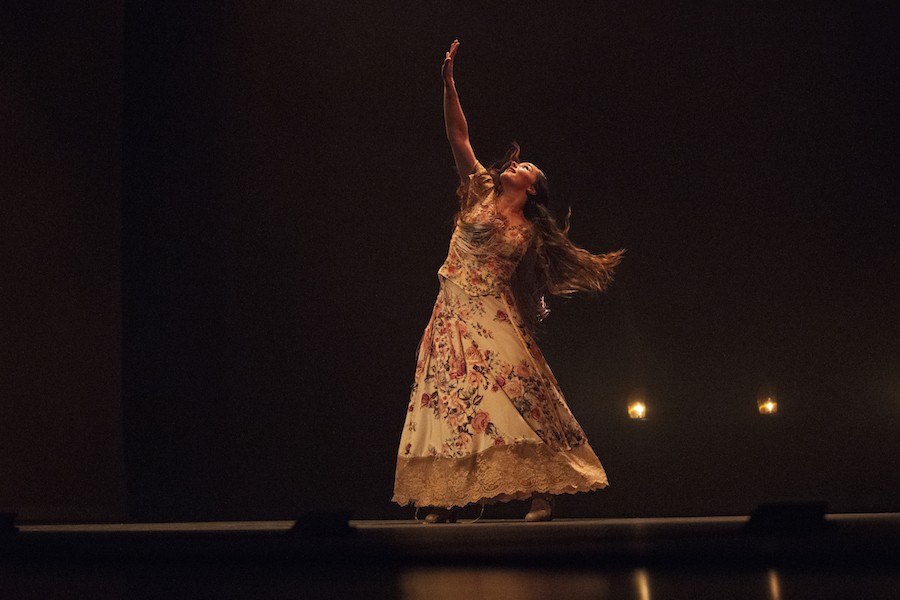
{"points": [[484, 248]]}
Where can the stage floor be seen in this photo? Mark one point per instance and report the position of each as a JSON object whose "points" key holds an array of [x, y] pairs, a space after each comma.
{"points": [[329, 557]]}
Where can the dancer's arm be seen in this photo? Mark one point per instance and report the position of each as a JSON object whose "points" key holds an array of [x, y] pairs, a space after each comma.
{"points": [[455, 120]]}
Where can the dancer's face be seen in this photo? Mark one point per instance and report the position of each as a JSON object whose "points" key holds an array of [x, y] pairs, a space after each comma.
{"points": [[520, 175]]}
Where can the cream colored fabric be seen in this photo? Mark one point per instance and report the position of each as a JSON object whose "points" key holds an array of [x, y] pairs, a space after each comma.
{"points": [[486, 420], [500, 474]]}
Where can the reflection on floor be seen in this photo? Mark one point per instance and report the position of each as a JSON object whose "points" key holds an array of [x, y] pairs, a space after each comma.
{"points": [[640, 584]]}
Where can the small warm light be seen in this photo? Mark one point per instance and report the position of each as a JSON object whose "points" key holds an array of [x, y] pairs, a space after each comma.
{"points": [[766, 401], [767, 406], [637, 403], [637, 410]]}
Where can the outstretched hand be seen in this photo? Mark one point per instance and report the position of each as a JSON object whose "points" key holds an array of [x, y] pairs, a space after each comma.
{"points": [[447, 67], [455, 120]]}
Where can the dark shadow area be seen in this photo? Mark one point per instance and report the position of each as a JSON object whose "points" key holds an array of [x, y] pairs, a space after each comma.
{"points": [[61, 448], [578, 558]]}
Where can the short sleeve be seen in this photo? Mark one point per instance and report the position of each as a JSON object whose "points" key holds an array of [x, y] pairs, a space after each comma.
{"points": [[476, 189]]}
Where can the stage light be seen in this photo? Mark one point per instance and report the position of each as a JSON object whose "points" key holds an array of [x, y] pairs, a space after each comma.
{"points": [[637, 404], [766, 400], [767, 406], [637, 410]]}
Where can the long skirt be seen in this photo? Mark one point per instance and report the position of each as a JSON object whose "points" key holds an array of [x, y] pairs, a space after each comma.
{"points": [[486, 420]]}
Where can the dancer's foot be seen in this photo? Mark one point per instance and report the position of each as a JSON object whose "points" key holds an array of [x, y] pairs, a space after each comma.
{"points": [[541, 508], [441, 515]]}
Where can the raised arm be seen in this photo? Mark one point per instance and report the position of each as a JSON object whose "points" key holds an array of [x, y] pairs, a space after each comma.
{"points": [[455, 120]]}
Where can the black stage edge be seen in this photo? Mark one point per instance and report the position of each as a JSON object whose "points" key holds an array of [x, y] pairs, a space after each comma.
{"points": [[326, 541]]}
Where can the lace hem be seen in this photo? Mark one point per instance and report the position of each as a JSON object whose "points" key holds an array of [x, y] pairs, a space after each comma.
{"points": [[498, 474]]}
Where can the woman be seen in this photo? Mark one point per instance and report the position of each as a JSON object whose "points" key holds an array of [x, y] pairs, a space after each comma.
{"points": [[486, 420]]}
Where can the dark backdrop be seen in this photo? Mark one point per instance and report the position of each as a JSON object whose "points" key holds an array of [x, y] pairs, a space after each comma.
{"points": [[288, 196], [60, 254]]}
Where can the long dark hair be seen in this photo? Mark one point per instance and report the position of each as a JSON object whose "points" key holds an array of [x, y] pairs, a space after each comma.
{"points": [[552, 265]]}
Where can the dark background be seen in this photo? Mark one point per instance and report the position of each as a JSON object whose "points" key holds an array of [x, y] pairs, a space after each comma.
{"points": [[222, 225]]}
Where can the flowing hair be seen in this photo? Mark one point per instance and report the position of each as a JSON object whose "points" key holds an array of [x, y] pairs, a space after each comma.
{"points": [[552, 265]]}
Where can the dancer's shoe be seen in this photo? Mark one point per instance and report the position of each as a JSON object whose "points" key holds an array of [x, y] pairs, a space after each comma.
{"points": [[541, 508], [441, 515]]}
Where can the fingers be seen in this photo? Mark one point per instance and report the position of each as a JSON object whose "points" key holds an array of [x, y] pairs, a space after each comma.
{"points": [[447, 66]]}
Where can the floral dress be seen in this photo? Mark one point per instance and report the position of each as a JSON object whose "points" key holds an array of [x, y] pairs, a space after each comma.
{"points": [[486, 419]]}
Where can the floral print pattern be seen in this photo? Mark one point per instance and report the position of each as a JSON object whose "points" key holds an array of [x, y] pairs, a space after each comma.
{"points": [[474, 349], [481, 272], [481, 385]]}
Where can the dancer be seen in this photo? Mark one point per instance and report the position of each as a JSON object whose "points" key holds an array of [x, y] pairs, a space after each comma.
{"points": [[486, 420]]}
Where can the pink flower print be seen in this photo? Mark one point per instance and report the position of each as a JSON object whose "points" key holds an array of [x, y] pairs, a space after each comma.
{"points": [[505, 370], [410, 409], [523, 370], [426, 400], [473, 355], [461, 328], [502, 317], [463, 440], [480, 422], [536, 414], [514, 388], [500, 382], [499, 441], [408, 448], [457, 368], [474, 378]]}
